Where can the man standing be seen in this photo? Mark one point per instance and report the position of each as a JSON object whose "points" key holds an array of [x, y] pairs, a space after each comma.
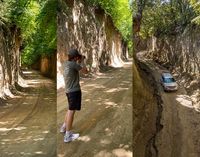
{"points": [[73, 91]]}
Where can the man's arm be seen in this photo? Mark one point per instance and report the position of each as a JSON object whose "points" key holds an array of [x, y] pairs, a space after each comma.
{"points": [[84, 70], [82, 64]]}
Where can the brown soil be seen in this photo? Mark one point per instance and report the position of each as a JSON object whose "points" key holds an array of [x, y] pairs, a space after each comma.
{"points": [[105, 121], [180, 134], [27, 122]]}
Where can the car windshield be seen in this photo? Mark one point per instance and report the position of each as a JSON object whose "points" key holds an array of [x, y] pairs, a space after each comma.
{"points": [[168, 80]]}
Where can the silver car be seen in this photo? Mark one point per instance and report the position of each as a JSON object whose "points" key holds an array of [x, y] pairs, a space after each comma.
{"points": [[168, 82]]}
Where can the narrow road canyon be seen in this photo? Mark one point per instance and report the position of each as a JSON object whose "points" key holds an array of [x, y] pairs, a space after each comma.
{"points": [[179, 136], [27, 121], [105, 121]]}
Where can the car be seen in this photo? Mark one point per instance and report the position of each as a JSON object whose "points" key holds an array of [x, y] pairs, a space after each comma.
{"points": [[168, 82]]}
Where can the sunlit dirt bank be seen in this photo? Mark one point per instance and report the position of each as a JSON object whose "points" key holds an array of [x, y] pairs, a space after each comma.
{"points": [[9, 59], [181, 55], [92, 32], [181, 110], [177, 123], [28, 120], [146, 111], [105, 121]]}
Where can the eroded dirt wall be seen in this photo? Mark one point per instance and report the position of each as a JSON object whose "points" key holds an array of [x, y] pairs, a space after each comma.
{"points": [[145, 111], [9, 58], [92, 32], [48, 65], [180, 53]]}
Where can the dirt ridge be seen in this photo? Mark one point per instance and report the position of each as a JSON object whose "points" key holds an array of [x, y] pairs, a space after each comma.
{"points": [[151, 148]]}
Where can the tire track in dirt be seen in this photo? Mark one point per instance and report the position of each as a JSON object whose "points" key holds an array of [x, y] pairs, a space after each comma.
{"points": [[179, 136], [34, 133]]}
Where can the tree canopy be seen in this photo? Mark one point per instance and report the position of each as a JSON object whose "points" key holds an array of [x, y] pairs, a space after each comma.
{"points": [[167, 17], [196, 6], [36, 20], [121, 13]]}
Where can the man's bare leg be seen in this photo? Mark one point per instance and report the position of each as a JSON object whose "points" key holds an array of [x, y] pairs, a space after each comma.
{"points": [[69, 119], [69, 136], [69, 115]]}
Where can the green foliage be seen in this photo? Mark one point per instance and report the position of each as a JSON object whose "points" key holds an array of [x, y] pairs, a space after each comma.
{"points": [[121, 13], [196, 6], [24, 15], [165, 17], [159, 20], [36, 20], [5, 10], [42, 38]]}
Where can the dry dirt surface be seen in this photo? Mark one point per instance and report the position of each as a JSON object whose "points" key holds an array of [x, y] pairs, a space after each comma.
{"points": [[27, 122], [105, 121], [180, 135]]}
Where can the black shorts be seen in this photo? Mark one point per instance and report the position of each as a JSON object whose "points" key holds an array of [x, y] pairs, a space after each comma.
{"points": [[74, 100]]}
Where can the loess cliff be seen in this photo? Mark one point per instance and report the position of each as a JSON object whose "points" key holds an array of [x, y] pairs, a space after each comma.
{"points": [[181, 55], [92, 32], [9, 58]]}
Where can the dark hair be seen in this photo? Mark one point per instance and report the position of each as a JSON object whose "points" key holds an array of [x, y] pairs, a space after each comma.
{"points": [[70, 57], [73, 53]]}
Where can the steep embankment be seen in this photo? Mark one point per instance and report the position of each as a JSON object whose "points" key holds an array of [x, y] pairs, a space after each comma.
{"points": [[181, 54], [146, 111], [180, 110], [9, 58], [92, 32], [178, 119], [105, 121], [46, 65]]}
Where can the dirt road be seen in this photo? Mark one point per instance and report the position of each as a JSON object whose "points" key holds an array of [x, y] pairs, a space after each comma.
{"points": [[105, 121], [27, 122], [180, 134]]}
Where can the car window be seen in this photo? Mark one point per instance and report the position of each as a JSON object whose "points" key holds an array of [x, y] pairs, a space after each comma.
{"points": [[168, 80]]}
